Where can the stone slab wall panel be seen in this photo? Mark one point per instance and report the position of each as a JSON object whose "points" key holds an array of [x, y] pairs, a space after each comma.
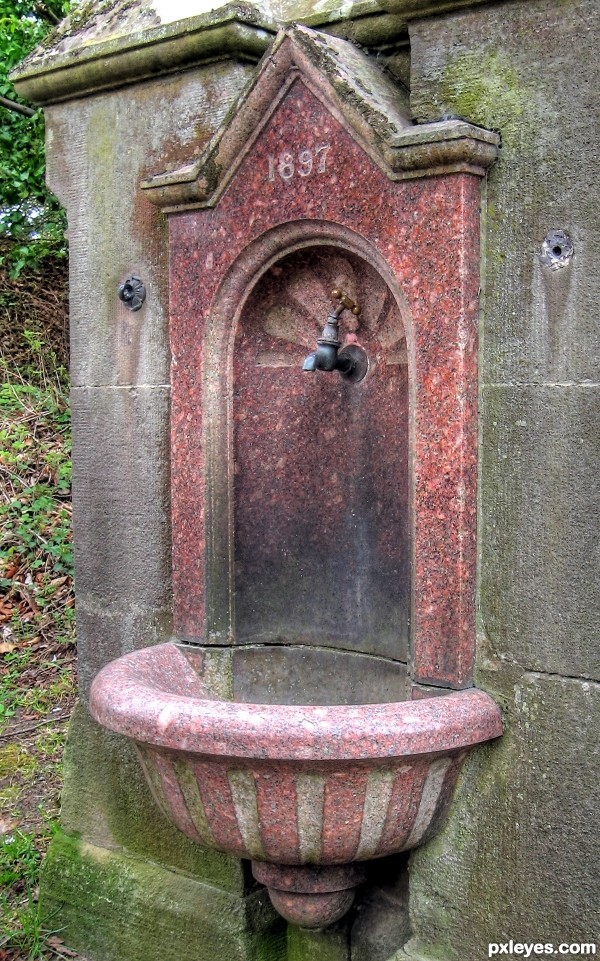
{"points": [[100, 147], [530, 71], [517, 856], [121, 511], [540, 591]]}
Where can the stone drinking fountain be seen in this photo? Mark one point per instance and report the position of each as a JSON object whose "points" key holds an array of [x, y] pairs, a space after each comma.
{"points": [[315, 706]]}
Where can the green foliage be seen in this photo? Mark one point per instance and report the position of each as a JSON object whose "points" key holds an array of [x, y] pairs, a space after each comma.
{"points": [[21, 928], [14, 663], [17, 692], [19, 858], [29, 214], [36, 556], [37, 515], [37, 660]]}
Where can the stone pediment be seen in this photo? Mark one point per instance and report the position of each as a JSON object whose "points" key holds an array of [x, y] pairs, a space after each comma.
{"points": [[350, 85], [106, 44]]}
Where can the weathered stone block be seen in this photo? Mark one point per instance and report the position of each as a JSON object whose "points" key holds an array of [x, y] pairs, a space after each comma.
{"points": [[381, 920], [331, 944], [514, 858], [98, 155], [113, 906], [514, 69], [105, 633], [540, 589], [121, 516]]}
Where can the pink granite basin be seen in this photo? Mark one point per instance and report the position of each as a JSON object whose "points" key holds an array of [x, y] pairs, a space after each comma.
{"points": [[307, 791]]}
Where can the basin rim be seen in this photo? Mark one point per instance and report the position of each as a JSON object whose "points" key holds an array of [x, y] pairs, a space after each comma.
{"points": [[155, 697]]}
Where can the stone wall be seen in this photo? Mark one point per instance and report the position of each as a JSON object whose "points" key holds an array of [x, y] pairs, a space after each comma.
{"points": [[517, 859], [120, 361]]}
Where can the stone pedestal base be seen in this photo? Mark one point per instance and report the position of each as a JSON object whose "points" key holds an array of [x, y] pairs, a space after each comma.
{"points": [[113, 907]]}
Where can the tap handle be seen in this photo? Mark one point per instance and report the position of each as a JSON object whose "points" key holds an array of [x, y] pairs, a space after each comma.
{"points": [[346, 303]]}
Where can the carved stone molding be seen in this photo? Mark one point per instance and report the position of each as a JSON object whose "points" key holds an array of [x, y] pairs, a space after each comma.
{"points": [[349, 84]]}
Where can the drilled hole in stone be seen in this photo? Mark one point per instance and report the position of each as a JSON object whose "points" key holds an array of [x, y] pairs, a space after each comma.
{"points": [[557, 251]]}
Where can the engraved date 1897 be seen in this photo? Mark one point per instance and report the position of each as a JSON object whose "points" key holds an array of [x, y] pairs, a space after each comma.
{"points": [[301, 163]]}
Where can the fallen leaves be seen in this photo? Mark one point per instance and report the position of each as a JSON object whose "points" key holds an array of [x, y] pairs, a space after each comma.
{"points": [[60, 948], [36, 585], [33, 601]]}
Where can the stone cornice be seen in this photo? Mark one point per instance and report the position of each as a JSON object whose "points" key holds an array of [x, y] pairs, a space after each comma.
{"points": [[364, 100], [114, 63], [79, 60]]}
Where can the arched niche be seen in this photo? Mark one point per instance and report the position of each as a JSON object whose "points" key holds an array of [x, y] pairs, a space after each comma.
{"points": [[307, 507], [321, 546]]}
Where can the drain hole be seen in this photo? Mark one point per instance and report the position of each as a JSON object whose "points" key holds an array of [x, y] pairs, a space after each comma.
{"points": [[557, 250]]}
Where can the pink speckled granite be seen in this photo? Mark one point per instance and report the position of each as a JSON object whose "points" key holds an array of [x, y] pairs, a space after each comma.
{"points": [[320, 532], [155, 697], [312, 897], [312, 910], [422, 238], [291, 785]]}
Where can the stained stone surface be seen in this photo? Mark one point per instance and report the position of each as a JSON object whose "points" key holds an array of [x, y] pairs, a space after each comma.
{"points": [[321, 510], [540, 590], [303, 675], [97, 156], [540, 325], [120, 505], [113, 907], [518, 851]]}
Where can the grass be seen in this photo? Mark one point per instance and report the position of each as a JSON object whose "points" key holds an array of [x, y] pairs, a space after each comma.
{"points": [[22, 929], [37, 642]]}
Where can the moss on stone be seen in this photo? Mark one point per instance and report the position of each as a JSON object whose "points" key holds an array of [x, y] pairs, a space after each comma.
{"points": [[106, 800], [13, 760], [218, 672], [332, 944], [483, 795], [114, 907], [484, 88]]}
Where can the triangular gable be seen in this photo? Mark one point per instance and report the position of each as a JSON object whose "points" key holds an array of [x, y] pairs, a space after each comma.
{"points": [[368, 104]]}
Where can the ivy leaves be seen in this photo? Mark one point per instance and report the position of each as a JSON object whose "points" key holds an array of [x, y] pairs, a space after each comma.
{"points": [[29, 214]]}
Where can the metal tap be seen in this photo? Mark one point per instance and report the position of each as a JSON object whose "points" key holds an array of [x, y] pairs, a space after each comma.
{"points": [[351, 361]]}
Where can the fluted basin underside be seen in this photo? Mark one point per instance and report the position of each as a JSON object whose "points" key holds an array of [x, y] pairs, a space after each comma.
{"points": [[304, 786]]}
